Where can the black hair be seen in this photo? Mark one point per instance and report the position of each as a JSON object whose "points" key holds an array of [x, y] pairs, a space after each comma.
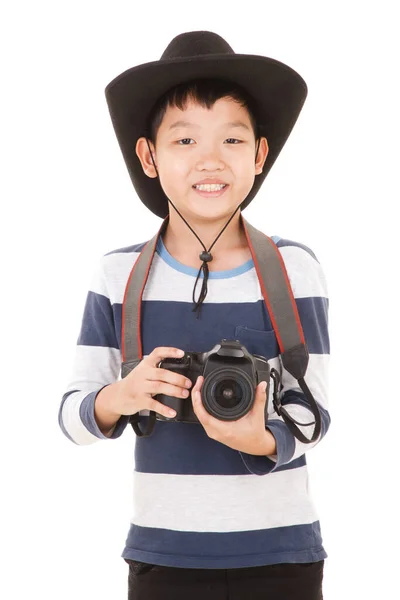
{"points": [[206, 92]]}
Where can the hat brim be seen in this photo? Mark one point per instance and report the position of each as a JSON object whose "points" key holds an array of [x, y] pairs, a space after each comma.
{"points": [[278, 91]]}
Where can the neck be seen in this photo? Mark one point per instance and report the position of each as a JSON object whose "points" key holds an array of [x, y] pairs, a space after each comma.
{"points": [[178, 236]]}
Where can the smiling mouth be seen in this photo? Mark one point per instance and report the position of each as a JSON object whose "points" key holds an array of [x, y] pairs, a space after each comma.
{"points": [[210, 187], [210, 191]]}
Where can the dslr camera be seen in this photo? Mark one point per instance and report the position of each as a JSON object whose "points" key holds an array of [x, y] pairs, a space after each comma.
{"points": [[231, 375]]}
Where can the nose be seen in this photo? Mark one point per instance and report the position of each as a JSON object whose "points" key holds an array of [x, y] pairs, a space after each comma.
{"points": [[210, 160]]}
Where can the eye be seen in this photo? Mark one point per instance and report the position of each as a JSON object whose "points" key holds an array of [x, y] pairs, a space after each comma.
{"points": [[186, 141]]}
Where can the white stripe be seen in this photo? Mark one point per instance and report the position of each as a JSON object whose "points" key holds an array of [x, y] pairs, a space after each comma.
{"points": [[316, 378], [222, 503], [166, 283], [93, 368], [117, 268], [302, 415], [305, 273]]}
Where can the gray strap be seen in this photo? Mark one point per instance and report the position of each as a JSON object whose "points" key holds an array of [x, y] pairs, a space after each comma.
{"points": [[278, 296], [132, 352]]}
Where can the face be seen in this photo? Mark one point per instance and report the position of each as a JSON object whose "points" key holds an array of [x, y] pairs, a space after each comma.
{"points": [[198, 144]]}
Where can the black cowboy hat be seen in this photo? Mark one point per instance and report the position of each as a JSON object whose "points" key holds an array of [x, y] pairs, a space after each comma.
{"points": [[278, 91]]}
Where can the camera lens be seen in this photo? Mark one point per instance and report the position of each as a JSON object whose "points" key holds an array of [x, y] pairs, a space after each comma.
{"points": [[228, 394]]}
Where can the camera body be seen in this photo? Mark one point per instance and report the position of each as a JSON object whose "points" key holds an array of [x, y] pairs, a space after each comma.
{"points": [[231, 375]]}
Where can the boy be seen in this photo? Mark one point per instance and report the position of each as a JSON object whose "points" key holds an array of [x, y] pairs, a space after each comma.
{"points": [[220, 506]]}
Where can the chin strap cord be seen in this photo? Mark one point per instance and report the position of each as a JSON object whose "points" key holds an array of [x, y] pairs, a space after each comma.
{"points": [[204, 256]]}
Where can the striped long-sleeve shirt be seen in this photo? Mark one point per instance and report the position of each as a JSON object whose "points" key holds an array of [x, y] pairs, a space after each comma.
{"points": [[198, 503]]}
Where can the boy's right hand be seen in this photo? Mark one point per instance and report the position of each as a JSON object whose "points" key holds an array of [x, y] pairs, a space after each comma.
{"points": [[136, 390]]}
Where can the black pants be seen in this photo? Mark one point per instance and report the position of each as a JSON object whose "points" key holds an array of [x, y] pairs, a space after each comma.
{"points": [[287, 581]]}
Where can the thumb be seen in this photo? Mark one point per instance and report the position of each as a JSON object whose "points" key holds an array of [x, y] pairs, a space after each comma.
{"points": [[261, 391]]}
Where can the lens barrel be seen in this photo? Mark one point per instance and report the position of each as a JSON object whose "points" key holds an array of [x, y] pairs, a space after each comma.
{"points": [[228, 393]]}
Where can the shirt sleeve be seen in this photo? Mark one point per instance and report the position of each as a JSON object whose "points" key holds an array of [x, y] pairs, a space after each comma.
{"points": [[310, 291], [97, 363]]}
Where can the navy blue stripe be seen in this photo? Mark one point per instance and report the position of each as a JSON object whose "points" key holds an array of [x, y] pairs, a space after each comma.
{"points": [[101, 324], [175, 324], [176, 321], [281, 243], [210, 550], [313, 313], [185, 449], [291, 397], [247, 321], [98, 327]]}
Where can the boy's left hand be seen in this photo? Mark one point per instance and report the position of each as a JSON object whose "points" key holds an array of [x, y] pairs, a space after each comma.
{"points": [[247, 434]]}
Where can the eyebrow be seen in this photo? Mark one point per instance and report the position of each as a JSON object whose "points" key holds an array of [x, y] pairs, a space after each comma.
{"points": [[188, 124]]}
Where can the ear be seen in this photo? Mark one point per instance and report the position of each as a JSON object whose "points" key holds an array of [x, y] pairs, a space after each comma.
{"points": [[263, 150], [143, 153]]}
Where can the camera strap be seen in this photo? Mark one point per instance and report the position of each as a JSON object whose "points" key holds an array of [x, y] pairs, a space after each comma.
{"points": [[280, 303]]}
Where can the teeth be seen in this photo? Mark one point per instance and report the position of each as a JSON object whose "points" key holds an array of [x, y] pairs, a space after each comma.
{"points": [[210, 187]]}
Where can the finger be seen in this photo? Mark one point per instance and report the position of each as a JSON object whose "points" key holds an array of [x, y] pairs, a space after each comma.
{"points": [[160, 374], [197, 404], [161, 409], [199, 383], [261, 391], [198, 407], [196, 394], [161, 352], [161, 387]]}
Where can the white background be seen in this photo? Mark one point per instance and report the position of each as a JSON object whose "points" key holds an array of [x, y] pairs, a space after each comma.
{"points": [[67, 199]]}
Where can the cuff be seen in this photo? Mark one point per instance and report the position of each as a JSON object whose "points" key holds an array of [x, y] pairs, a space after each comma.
{"points": [[285, 446], [86, 413]]}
